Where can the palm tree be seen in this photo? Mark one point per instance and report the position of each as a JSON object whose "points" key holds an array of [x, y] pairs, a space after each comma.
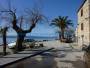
{"points": [[70, 34], [62, 22]]}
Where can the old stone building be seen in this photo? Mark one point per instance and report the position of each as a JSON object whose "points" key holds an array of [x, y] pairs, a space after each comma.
{"points": [[83, 26]]}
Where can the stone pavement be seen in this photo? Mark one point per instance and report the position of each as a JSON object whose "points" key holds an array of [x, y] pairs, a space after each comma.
{"points": [[62, 56], [54, 59], [15, 58]]}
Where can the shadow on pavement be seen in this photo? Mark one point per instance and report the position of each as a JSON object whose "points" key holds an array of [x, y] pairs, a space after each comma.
{"points": [[36, 62]]}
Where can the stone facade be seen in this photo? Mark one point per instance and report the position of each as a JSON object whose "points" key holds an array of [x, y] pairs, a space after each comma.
{"points": [[83, 27]]}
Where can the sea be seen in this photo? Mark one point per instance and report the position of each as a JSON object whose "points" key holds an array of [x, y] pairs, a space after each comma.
{"points": [[11, 39]]}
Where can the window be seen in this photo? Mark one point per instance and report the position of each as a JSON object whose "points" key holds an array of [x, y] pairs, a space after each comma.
{"points": [[82, 36], [81, 26], [81, 12]]}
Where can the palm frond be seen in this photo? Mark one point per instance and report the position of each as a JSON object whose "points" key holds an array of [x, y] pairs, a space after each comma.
{"points": [[62, 22]]}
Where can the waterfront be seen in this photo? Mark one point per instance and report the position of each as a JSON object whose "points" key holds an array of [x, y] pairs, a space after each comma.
{"points": [[63, 56], [11, 39]]}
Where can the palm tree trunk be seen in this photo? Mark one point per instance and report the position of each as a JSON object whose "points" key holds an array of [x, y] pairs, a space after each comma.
{"points": [[62, 35]]}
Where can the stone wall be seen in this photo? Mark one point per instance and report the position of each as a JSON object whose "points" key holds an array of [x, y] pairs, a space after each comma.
{"points": [[83, 35]]}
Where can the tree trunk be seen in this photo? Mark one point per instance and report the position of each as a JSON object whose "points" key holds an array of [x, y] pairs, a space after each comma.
{"points": [[20, 39], [4, 41], [62, 35]]}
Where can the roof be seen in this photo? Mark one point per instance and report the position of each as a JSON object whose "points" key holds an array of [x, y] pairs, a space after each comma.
{"points": [[81, 5]]}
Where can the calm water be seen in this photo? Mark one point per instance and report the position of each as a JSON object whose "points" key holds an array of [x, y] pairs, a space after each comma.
{"points": [[13, 38]]}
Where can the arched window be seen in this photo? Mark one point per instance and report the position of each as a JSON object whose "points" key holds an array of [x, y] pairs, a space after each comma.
{"points": [[81, 12], [81, 26]]}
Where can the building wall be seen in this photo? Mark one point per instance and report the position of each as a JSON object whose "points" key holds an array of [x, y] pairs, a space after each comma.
{"points": [[83, 35]]}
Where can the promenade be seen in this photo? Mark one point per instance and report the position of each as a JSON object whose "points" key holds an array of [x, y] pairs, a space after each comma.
{"points": [[63, 56]]}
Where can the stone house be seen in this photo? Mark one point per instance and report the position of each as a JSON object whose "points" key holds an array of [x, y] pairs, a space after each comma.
{"points": [[83, 26]]}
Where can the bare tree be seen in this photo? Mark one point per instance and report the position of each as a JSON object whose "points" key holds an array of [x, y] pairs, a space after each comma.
{"points": [[34, 17], [31, 17]]}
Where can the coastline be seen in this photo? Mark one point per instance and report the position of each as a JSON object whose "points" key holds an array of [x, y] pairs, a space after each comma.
{"points": [[46, 43], [11, 39]]}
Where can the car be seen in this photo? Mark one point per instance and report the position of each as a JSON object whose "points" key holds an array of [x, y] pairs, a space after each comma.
{"points": [[13, 44], [29, 40], [26, 43], [29, 43]]}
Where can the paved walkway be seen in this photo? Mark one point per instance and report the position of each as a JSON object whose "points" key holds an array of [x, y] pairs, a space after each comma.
{"points": [[15, 58], [63, 56], [54, 59]]}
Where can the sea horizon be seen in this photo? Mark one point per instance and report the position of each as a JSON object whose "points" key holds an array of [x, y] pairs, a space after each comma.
{"points": [[12, 38]]}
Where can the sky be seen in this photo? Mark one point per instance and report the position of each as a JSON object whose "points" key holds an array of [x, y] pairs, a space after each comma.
{"points": [[50, 8]]}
